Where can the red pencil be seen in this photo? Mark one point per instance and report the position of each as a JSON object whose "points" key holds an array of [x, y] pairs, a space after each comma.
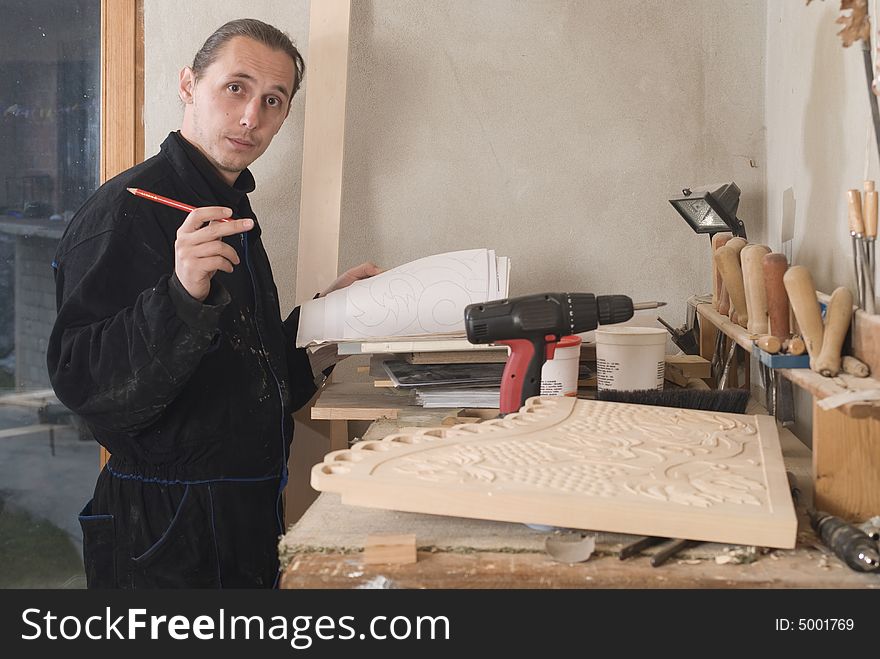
{"points": [[137, 192]]}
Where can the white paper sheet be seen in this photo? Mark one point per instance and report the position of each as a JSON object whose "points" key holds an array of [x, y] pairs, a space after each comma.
{"points": [[421, 298]]}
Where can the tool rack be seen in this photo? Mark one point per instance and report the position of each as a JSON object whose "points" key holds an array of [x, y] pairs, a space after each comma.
{"points": [[845, 440]]}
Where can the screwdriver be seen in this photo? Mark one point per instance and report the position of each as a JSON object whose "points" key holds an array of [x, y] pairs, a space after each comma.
{"points": [[849, 543]]}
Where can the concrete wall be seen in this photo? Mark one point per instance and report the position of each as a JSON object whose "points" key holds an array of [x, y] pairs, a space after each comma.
{"points": [[819, 142], [552, 131], [173, 32]]}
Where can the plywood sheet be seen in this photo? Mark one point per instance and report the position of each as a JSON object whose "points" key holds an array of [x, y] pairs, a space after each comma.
{"points": [[584, 464]]}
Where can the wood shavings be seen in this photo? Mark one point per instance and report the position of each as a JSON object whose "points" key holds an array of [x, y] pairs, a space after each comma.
{"points": [[737, 555], [856, 24]]}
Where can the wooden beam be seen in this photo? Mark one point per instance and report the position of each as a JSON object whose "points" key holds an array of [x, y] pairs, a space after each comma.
{"points": [[317, 256], [323, 143], [122, 92], [122, 86]]}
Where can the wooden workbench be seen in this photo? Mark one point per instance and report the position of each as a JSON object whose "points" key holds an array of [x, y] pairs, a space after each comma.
{"points": [[324, 549]]}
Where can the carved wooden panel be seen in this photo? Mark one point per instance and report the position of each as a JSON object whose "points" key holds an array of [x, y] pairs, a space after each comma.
{"points": [[584, 464]]}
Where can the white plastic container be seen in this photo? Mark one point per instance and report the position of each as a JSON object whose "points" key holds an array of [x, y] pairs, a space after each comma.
{"points": [[630, 358], [559, 376]]}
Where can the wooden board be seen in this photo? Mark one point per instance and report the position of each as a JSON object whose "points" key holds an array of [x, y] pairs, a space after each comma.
{"points": [[385, 549], [846, 464], [325, 87], [866, 340], [799, 568], [584, 464], [457, 357], [359, 401], [691, 366]]}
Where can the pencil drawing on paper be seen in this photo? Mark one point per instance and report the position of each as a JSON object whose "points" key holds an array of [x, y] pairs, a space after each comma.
{"points": [[418, 298]]}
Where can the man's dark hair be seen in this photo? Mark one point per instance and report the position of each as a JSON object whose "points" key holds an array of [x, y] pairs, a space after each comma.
{"points": [[252, 29]]}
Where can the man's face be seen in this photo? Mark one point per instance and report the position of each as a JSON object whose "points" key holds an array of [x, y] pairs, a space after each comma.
{"points": [[238, 104]]}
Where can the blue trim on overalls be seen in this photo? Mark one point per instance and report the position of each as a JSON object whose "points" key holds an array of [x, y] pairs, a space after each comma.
{"points": [[162, 481]]}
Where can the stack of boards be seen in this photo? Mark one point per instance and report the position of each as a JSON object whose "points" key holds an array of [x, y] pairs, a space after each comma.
{"points": [[451, 378]]}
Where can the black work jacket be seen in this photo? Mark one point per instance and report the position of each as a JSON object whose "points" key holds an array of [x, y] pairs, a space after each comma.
{"points": [[175, 389]]}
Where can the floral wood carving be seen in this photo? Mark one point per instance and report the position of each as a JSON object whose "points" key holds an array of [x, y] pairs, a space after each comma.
{"points": [[583, 464]]}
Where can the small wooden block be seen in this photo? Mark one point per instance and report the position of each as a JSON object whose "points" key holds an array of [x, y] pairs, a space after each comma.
{"points": [[674, 374], [692, 366], [398, 549]]}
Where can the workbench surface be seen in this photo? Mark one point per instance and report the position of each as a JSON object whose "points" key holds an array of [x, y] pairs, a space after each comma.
{"points": [[324, 549]]}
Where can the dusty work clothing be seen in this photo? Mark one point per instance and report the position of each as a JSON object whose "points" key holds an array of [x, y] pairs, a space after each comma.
{"points": [[192, 399]]}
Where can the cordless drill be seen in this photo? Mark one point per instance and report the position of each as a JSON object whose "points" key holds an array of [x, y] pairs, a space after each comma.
{"points": [[532, 325]]}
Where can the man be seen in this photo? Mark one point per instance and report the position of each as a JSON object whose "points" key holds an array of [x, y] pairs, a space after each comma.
{"points": [[169, 340]]}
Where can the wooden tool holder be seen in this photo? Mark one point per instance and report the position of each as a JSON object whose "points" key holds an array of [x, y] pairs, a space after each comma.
{"points": [[846, 440]]}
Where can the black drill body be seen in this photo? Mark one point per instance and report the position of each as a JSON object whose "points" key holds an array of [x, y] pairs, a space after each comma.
{"points": [[532, 325]]}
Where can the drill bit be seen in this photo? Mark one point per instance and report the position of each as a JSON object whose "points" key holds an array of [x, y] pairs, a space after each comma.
{"points": [[640, 306]]}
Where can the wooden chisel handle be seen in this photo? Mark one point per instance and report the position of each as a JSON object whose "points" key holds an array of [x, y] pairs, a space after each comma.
{"points": [[753, 283], [855, 367], [769, 343], [718, 240], [795, 346], [870, 214], [724, 299], [778, 310], [854, 206], [724, 307], [837, 318], [802, 297], [727, 259]]}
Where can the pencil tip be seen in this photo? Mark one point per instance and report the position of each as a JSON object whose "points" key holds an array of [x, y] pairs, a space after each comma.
{"points": [[131, 190]]}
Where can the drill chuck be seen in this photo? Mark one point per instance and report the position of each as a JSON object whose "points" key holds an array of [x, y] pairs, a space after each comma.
{"points": [[614, 309], [848, 542]]}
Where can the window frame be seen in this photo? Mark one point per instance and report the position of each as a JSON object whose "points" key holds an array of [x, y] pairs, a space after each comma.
{"points": [[122, 93]]}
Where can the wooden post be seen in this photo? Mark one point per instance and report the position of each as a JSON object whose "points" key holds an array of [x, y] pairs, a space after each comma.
{"points": [[317, 258], [323, 142]]}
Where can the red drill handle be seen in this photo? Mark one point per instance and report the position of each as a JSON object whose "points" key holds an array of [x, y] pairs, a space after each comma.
{"points": [[522, 373]]}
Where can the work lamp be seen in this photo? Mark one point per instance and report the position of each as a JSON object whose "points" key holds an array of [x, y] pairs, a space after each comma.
{"points": [[711, 209]]}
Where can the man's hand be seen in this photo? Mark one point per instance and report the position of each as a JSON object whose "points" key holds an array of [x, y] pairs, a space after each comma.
{"points": [[362, 271], [199, 251]]}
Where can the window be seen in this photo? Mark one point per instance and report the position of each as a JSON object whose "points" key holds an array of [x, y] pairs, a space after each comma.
{"points": [[50, 128]]}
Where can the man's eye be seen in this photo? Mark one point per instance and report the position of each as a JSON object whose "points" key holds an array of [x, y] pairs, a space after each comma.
{"points": [[234, 88], [273, 101]]}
